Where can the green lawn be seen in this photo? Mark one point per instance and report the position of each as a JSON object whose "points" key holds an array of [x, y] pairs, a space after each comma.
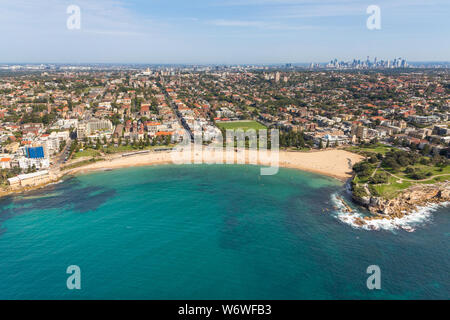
{"points": [[81, 163], [393, 187], [129, 148], [403, 180], [244, 125], [86, 153], [389, 191], [365, 179], [437, 179], [89, 152], [426, 169], [369, 151], [113, 149]]}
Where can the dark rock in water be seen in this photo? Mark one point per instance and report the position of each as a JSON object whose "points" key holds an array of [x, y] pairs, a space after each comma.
{"points": [[360, 222]]}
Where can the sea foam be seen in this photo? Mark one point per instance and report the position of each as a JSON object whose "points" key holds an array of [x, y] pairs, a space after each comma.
{"points": [[409, 222]]}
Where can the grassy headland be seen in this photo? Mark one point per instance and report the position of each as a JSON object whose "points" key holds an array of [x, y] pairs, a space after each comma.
{"points": [[386, 171]]}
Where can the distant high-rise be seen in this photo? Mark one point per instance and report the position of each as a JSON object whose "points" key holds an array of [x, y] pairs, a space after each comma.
{"points": [[365, 64], [277, 77]]}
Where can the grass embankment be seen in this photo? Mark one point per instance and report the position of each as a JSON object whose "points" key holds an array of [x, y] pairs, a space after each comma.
{"points": [[91, 152], [81, 163]]}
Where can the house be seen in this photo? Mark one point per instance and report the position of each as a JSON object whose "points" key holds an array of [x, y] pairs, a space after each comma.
{"points": [[5, 163]]}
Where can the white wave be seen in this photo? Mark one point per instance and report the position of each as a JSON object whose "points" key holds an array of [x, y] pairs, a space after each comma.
{"points": [[348, 188], [55, 182], [408, 222]]}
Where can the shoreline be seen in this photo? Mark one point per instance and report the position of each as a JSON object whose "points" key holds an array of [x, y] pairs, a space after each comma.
{"points": [[334, 163], [323, 163]]}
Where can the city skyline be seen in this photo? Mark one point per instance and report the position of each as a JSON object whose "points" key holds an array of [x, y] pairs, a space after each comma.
{"points": [[222, 32], [354, 63]]}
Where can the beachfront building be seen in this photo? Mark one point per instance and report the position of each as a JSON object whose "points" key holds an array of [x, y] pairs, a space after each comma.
{"points": [[30, 179], [95, 128], [328, 139], [52, 142], [359, 131], [33, 157], [27, 163]]}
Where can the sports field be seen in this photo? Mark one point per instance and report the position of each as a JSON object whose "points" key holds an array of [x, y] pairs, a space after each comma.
{"points": [[244, 125]]}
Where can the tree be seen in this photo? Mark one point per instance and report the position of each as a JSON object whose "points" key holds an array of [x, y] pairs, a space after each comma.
{"points": [[426, 149], [321, 144], [373, 160], [391, 163], [362, 169], [379, 178], [418, 175], [409, 170]]}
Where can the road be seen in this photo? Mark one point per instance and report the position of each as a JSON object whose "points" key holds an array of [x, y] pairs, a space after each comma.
{"points": [[409, 180], [62, 155], [181, 121]]}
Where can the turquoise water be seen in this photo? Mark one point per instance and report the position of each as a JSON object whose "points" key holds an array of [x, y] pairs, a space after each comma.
{"points": [[209, 232]]}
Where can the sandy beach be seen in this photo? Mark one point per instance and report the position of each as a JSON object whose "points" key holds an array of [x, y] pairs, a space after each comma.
{"points": [[333, 163]]}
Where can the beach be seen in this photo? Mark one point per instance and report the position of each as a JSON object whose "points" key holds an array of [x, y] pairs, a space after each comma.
{"points": [[333, 163]]}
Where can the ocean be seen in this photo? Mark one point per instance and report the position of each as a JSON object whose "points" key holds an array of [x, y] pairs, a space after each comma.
{"points": [[212, 232]]}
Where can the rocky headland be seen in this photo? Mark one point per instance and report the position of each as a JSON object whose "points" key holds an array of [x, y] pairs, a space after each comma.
{"points": [[409, 200]]}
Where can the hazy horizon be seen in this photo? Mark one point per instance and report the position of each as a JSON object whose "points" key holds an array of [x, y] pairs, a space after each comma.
{"points": [[294, 64]]}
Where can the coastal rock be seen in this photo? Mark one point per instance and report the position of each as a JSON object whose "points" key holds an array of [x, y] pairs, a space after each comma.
{"points": [[364, 201], [360, 222], [411, 198]]}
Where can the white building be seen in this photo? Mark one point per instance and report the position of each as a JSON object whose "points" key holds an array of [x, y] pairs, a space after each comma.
{"points": [[29, 179], [27, 163], [67, 123]]}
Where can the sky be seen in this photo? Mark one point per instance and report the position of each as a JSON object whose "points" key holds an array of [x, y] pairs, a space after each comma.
{"points": [[222, 31]]}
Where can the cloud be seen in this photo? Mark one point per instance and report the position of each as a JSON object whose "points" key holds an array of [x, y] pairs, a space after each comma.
{"points": [[280, 9], [113, 32], [256, 24], [106, 16], [237, 23], [210, 30]]}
